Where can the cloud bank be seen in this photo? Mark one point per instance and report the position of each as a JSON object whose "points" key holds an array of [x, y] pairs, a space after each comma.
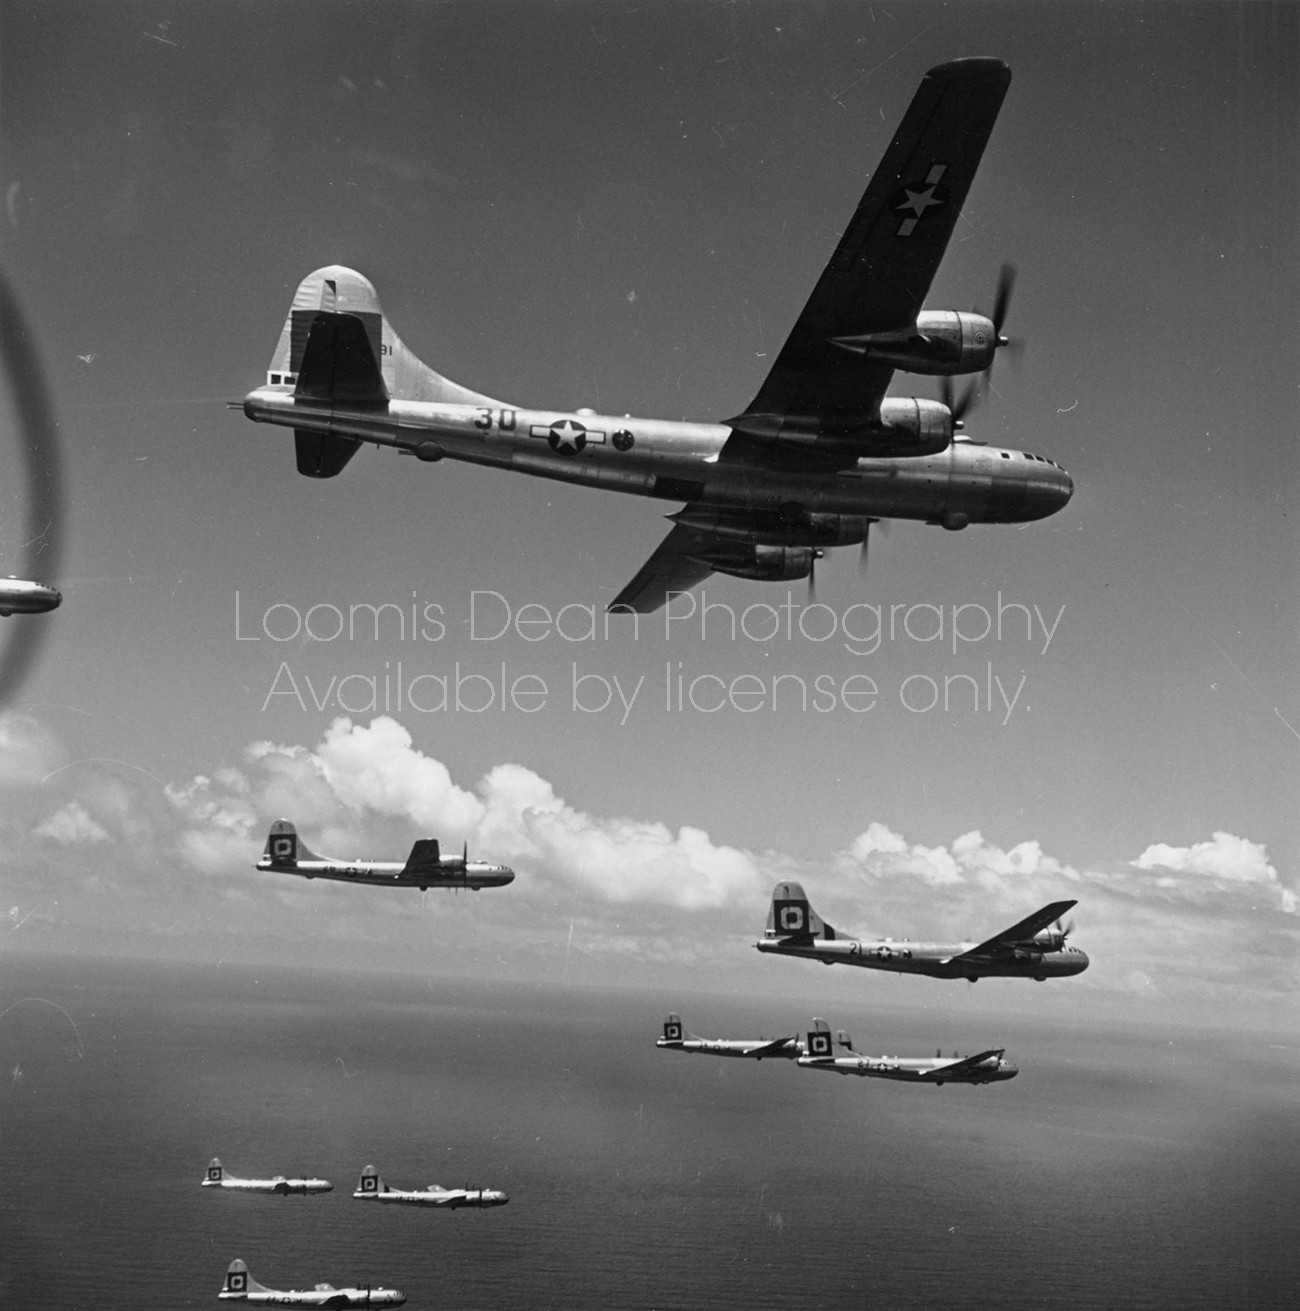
{"points": [[607, 889]]}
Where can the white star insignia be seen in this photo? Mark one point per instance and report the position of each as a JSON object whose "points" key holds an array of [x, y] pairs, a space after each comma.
{"points": [[919, 201]]}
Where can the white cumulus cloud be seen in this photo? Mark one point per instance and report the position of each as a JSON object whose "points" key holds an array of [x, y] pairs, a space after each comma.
{"points": [[71, 826], [1220, 863]]}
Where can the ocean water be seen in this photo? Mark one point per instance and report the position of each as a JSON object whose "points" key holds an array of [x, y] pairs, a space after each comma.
{"points": [[1121, 1169]]}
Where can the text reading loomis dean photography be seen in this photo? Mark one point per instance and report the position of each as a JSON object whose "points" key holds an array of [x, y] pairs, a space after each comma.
{"points": [[404, 672]]}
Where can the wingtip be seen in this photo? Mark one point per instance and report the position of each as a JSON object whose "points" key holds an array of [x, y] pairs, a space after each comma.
{"points": [[987, 65]]}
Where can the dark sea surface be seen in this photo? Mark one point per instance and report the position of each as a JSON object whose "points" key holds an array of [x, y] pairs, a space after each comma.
{"points": [[1121, 1169]]}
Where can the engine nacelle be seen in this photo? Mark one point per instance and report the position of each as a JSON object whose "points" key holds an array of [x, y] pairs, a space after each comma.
{"points": [[797, 527], [943, 342], [1049, 941], [905, 425], [764, 563], [911, 425]]}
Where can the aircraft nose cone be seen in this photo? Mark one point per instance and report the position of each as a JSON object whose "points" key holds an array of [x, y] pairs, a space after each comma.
{"points": [[1049, 491]]}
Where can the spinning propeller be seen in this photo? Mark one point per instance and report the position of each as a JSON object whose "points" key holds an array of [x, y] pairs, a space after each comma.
{"points": [[979, 386]]}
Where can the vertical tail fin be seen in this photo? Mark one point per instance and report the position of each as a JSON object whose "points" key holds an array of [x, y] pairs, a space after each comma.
{"points": [[337, 347], [819, 1038], [370, 1183], [791, 915], [844, 1040], [337, 292], [216, 1172], [284, 848], [673, 1031], [239, 1282]]}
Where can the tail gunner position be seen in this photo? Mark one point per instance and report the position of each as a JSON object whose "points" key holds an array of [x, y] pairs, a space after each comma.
{"points": [[820, 453]]}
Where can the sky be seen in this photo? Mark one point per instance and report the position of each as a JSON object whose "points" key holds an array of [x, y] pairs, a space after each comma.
{"points": [[625, 206]]}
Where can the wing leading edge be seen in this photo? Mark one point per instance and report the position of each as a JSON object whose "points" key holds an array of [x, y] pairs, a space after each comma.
{"points": [[1000, 943], [965, 1065], [881, 271], [672, 568]]}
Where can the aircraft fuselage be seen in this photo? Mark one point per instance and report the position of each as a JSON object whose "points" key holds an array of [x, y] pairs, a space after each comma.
{"points": [[451, 1199], [907, 1069], [333, 1297], [966, 483], [751, 1048], [932, 958], [21, 596], [472, 874], [284, 1187]]}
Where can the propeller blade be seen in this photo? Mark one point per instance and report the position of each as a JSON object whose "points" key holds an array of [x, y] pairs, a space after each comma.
{"points": [[812, 579], [866, 544], [1001, 304], [1006, 283], [958, 406]]}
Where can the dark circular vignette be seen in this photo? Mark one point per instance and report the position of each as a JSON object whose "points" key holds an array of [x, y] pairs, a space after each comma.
{"points": [[38, 440]]}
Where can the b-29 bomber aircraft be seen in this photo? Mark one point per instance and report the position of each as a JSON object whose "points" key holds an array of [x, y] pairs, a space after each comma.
{"points": [[1028, 949], [816, 458], [984, 1067], [240, 1286], [217, 1177], [371, 1188], [676, 1039], [426, 867]]}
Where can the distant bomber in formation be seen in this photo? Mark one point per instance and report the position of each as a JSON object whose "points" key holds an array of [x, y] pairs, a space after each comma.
{"points": [[986, 1067], [240, 1286], [676, 1039], [217, 1177], [426, 866], [1028, 949], [818, 456], [371, 1188], [19, 596]]}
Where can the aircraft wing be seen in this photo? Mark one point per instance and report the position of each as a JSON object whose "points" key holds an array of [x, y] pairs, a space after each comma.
{"points": [[776, 1045], [672, 568], [425, 854], [1001, 943], [881, 271], [967, 1063]]}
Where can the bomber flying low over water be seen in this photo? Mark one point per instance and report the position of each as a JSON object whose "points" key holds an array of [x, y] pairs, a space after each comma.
{"points": [[814, 460], [21, 596], [371, 1188], [676, 1039], [1028, 949], [426, 866], [240, 1286], [821, 1054], [216, 1177]]}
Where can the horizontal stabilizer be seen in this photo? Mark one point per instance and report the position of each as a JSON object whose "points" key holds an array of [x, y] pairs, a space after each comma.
{"points": [[322, 455], [339, 363], [338, 367]]}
